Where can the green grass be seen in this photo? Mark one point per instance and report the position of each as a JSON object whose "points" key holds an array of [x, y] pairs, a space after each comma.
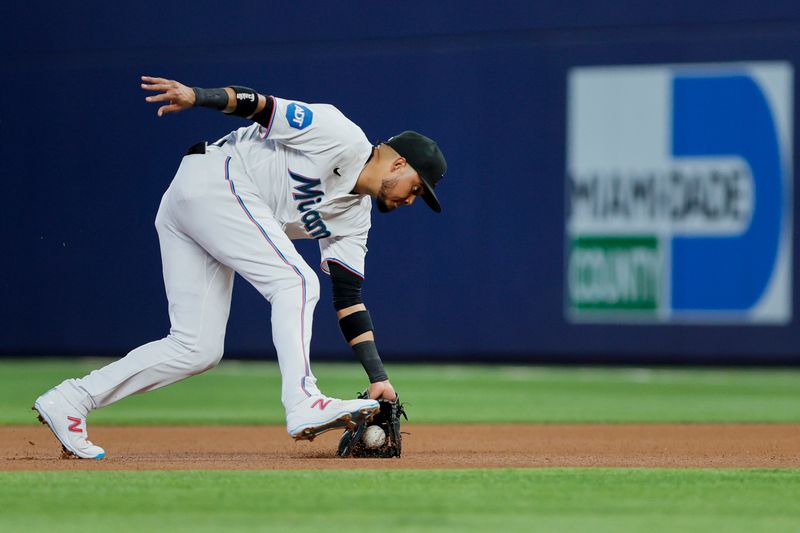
{"points": [[236, 392], [563, 500]]}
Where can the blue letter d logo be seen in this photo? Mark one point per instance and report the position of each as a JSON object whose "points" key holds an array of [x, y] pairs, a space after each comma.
{"points": [[728, 115]]}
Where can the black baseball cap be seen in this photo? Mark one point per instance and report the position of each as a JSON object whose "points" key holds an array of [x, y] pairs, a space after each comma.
{"points": [[424, 156]]}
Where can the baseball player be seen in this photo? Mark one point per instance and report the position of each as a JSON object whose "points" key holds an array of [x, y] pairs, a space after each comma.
{"points": [[299, 171]]}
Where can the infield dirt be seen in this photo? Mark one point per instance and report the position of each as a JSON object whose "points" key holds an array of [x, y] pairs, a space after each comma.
{"points": [[426, 446]]}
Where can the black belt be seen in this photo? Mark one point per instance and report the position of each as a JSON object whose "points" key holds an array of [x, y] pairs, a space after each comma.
{"points": [[200, 148]]}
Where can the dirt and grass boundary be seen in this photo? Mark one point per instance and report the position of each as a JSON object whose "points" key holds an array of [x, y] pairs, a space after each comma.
{"points": [[426, 446]]}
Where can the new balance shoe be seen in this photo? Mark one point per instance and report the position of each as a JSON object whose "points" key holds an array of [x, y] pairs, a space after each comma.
{"points": [[318, 414], [68, 424]]}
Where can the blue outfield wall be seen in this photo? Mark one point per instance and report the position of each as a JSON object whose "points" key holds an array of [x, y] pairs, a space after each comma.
{"points": [[86, 162]]}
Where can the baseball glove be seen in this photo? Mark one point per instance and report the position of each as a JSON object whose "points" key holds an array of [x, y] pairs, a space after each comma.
{"points": [[388, 419]]}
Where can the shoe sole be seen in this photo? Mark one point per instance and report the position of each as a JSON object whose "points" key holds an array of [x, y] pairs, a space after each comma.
{"points": [[65, 452], [343, 421]]}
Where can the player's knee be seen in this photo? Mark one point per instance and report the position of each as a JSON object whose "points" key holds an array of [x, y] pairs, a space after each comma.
{"points": [[211, 350], [302, 288], [199, 354], [211, 359], [206, 357]]}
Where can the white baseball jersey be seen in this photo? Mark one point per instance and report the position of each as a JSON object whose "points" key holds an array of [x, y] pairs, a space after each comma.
{"points": [[305, 165], [235, 208]]}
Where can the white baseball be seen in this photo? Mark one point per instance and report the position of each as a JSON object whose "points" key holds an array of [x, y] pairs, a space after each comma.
{"points": [[373, 437]]}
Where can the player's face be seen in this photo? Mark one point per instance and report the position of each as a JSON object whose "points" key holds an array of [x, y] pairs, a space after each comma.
{"points": [[399, 188]]}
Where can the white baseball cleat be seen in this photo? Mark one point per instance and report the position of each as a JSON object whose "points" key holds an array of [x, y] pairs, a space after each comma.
{"points": [[68, 424], [318, 414]]}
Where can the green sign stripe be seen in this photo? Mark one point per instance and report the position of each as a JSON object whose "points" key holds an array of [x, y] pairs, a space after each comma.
{"points": [[614, 273]]}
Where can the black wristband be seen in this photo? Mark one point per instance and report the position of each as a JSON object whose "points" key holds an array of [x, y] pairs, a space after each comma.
{"points": [[246, 101], [367, 353], [211, 98], [355, 324]]}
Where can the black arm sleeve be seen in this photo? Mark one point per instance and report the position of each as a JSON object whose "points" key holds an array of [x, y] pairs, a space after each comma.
{"points": [[347, 292], [246, 103], [264, 117], [346, 286]]}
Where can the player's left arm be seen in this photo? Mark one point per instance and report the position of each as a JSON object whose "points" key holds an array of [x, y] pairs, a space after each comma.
{"points": [[356, 325]]}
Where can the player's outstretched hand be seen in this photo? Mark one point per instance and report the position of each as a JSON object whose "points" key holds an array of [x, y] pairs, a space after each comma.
{"points": [[177, 95]]}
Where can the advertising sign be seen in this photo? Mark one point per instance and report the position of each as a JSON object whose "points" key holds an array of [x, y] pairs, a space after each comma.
{"points": [[679, 194]]}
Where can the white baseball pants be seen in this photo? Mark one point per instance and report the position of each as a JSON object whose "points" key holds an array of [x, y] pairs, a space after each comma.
{"points": [[212, 222]]}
